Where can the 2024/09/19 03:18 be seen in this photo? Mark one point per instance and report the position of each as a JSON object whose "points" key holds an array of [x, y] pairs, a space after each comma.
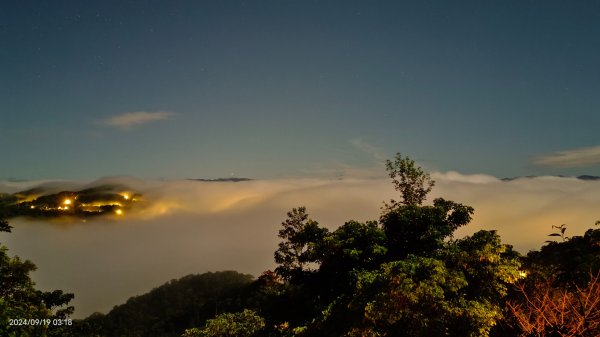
{"points": [[39, 321]]}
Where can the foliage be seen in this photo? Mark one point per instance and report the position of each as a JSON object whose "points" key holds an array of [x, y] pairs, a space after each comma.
{"points": [[547, 310], [489, 266], [353, 245], [20, 300], [560, 232], [401, 276], [242, 324], [458, 293], [421, 230], [299, 235], [560, 295], [4, 226], [173, 307], [569, 262], [410, 180]]}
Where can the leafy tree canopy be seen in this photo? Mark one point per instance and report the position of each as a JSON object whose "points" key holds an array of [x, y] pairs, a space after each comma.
{"points": [[401, 276], [409, 179], [241, 324], [20, 300]]}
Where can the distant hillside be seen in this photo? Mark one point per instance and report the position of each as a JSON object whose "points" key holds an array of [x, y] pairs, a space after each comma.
{"points": [[171, 308], [581, 177], [44, 202], [588, 177], [219, 180]]}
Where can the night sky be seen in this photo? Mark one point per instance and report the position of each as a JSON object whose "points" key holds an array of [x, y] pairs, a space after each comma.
{"points": [[269, 89]]}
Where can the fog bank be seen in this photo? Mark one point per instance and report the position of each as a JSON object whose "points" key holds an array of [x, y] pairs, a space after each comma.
{"points": [[188, 227]]}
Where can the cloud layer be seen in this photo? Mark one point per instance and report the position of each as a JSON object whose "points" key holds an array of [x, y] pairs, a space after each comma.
{"points": [[194, 227], [131, 119], [585, 156]]}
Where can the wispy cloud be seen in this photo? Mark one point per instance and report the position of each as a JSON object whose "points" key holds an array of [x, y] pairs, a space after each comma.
{"points": [[130, 119], [584, 156], [370, 149]]}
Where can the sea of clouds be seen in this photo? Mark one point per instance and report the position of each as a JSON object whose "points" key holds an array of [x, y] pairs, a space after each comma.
{"points": [[182, 227]]}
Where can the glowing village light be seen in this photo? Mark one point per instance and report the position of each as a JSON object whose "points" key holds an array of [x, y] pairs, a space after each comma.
{"points": [[119, 212], [126, 196], [67, 201]]}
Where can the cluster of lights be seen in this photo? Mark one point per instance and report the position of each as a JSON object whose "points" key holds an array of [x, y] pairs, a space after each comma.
{"points": [[66, 204], [119, 211], [70, 204]]}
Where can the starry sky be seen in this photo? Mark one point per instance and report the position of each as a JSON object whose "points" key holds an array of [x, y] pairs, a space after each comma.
{"points": [[270, 89]]}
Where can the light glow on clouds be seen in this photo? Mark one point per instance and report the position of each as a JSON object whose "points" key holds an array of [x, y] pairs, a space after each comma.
{"points": [[193, 227], [585, 156], [130, 119]]}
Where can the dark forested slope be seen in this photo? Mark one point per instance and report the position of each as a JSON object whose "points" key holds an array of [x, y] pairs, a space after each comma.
{"points": [[171, 308]]}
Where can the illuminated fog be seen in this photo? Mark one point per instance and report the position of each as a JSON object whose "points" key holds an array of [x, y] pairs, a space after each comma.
{"points": [[185, 227]]}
